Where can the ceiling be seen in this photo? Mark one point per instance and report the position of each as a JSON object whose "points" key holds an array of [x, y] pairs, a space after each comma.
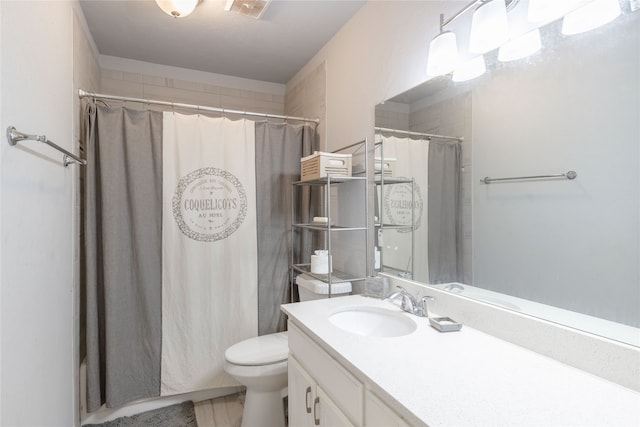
{"points": [[272, 49]]}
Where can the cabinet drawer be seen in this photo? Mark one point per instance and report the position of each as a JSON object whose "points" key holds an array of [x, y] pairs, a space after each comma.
{"points": [[343, 388]]}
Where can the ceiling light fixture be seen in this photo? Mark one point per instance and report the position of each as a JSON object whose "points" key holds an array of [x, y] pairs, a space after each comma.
{"points": [[489, 26], [592, 15], [177, 8]]}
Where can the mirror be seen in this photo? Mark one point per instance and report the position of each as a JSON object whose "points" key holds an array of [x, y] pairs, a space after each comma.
{"points": [[567, 250]]}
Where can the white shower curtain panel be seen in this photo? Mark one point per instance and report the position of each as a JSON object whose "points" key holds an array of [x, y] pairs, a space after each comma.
{"points": [[411, 161], [209, 248]]}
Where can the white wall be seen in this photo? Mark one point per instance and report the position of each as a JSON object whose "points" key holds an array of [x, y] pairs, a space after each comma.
{"points": [[379, 53], [37, 331], [1, 122]]}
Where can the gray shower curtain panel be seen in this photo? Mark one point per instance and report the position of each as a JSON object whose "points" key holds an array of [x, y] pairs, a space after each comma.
{"points": [[279, 148], [444, 212], [123, 244]]}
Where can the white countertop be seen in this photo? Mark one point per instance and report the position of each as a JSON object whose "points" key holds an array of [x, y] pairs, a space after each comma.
{"points": [[466, 378]]}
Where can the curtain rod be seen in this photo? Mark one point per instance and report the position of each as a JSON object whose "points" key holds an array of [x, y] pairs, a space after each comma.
{"points": [[428, 135], [85, 94]]}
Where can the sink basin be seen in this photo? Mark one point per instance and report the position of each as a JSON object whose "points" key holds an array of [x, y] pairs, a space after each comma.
{"points": [[373, 322]]}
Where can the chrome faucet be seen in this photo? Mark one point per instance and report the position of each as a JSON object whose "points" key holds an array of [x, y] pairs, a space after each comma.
{"points": [[408, 302]]}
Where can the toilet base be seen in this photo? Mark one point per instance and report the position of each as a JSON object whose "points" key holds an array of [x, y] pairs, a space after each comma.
{"points": [[263, 408]]}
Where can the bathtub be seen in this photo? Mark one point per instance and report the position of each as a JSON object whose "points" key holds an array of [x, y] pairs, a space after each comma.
{"points": [[105, 414]]}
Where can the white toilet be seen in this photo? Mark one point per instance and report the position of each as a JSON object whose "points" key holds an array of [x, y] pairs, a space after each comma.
{"points": [[260, 364]]}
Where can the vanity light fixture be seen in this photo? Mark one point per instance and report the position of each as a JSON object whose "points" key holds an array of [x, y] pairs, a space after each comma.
{"points": [[177, 8], [490, 30], [520, 47], [592, 15], [489, 26], [443, 54], [543, 11], [470, 69], [486, 34]]}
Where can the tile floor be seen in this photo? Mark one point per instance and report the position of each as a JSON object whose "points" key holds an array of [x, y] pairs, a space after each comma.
{"points": [[223, 411]]}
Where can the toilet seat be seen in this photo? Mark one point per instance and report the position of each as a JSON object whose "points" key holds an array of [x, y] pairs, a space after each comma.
{"points": [[258, 351]]}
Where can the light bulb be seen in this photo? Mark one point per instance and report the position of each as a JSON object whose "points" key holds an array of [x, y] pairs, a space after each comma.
{"points": [[177, 8], [592, 15], [549, 10], [520, 47], [443, 54], [470, 70], [489, 26]]}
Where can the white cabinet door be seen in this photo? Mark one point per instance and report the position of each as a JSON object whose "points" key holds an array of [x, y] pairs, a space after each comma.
{"points": [[378, 414], [345, 389], [327, 414], [309, 405], [302, 393]]}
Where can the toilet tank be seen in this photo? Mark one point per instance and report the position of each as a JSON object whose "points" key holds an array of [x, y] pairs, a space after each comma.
{"points": [[310, 288]]}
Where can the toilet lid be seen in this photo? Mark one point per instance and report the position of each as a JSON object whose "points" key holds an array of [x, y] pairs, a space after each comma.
{"points": [[262, 350]]}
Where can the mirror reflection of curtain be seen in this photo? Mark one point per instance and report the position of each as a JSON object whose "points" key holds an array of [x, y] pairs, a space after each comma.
{"points": [[437, 248], [444, 212], [408, 158]]}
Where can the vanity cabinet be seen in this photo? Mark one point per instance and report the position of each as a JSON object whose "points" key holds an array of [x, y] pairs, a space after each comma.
{"points": [[378, 414], [309, 404], [429, 378], [311, 368], [302, 392], [322, 392]]}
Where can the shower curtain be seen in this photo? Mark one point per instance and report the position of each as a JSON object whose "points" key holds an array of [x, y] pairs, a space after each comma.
{"points": [[410, 156], [444, 212], [209, 248], [123, 245], [123, 253], [279, 148]]}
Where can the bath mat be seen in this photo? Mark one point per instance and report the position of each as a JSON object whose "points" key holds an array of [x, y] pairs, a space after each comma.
{"points": [[179, 415]]}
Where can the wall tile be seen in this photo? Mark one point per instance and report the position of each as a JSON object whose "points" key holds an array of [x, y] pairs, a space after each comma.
{"points": [[121, 88], [154, 80], [132, 77]]}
